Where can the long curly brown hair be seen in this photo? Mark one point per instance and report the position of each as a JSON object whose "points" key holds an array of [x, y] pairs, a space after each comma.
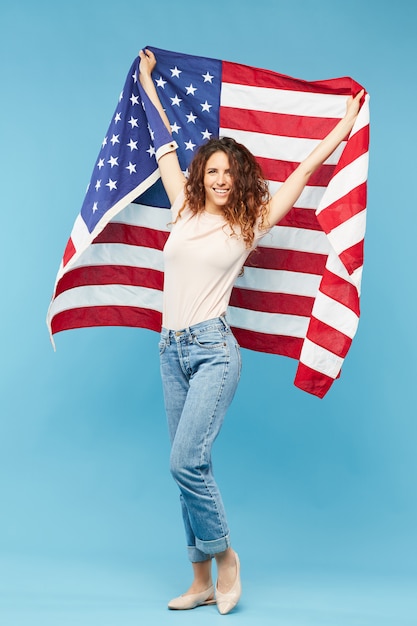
{"points": [[249, 194]]}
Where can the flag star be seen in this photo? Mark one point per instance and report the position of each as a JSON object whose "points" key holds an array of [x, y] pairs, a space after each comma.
{"points": [[131, 167], [133, 122], [121, 96], [135, 78], [113, 161], [134, 99], [117, 117], [175, 72], [112, 184], [175, 128], [206, 106], [104, 142], [190, 89], [161, 82], [114, 139], [98, 185], [151, 151], [176, 101], [95, 207], [206, 134], [100, 164], [152, 134], [191, 117], [189, 145], [207, 77], [133, 145]]}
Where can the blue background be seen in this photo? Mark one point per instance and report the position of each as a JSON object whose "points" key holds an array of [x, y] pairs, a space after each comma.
{"points": [[321, 494]]}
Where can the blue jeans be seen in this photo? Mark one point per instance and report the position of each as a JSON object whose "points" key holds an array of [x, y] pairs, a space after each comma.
{"points": [[200, 369]]}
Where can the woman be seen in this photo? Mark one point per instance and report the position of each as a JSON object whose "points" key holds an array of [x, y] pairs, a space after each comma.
{"points": [[219, 214]]}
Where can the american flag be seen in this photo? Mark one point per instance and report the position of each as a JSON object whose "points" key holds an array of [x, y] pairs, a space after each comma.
{"points": [[300, 292]]}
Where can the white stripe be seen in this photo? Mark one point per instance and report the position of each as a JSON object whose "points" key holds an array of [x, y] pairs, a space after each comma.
{"points": [[345, 180], [320, 359], [120, 254], [299, 239], [145, 216], [309, 198], [282, 101], [335, 315], [348, 233], [279, 281], [268, 146], [268, 323], [107, 295]]}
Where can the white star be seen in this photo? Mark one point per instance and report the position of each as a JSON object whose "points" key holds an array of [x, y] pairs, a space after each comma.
{"points": [[175, 72], [134, 99], [95, 207], [152, 134], [135, 78], [104, 142], [206, 106], [121, 96], [113, 161], [151, 151], [206, 134], [189, 145], [161, 82], [190, 89], [133, 145], [112, 184], [176, 101], [175, 128], [114, 139], [100, 164], [131, 167], [191, 118], [98, 185], [133, 122], [207, 77], [117, 117]]}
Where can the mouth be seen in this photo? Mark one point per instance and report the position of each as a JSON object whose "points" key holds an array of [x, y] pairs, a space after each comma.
{"points": [[221, 192]]}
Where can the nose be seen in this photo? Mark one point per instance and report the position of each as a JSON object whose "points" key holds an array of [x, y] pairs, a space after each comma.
{"points": [[221, 179]]}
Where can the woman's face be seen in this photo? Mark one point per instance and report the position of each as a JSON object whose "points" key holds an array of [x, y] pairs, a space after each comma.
{"points": [[217, 182]]}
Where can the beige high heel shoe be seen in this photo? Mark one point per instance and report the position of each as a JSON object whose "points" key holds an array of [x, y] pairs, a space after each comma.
{"points": [[192, 600], [227, 601]]}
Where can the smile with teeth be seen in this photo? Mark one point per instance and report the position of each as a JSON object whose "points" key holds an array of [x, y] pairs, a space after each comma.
{"points": [[221, 191]]}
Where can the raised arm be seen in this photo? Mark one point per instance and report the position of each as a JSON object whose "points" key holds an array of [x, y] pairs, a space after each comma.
{"points": [[286, 196], [172, 177]]}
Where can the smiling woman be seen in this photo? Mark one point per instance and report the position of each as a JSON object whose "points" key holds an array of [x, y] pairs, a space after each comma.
{"points": [[219, 215]]}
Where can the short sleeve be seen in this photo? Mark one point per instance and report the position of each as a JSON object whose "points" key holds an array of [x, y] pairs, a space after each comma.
{"points": [[177, 204]]}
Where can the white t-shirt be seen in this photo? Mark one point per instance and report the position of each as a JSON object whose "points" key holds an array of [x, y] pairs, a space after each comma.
{"points": [[202, 259]]}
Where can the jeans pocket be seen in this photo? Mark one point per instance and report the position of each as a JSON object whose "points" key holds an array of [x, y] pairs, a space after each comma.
{"points": [[210, 339], [162, 346]]}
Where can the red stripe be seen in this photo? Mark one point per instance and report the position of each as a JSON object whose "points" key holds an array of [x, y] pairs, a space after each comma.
{"points": [[328, 337], [290, 260], [106, 316], [68, 252], [276, 170], [355, 147], [280, 124], [301, 218], [352, 258], [273, 344], [132, 235], [343, 208], [246, 75], [284, 303], [111, 275], [312, 381], [341, 291]]}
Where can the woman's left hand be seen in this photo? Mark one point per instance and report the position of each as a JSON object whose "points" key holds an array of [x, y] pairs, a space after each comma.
{"points": [[354, 104]]}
